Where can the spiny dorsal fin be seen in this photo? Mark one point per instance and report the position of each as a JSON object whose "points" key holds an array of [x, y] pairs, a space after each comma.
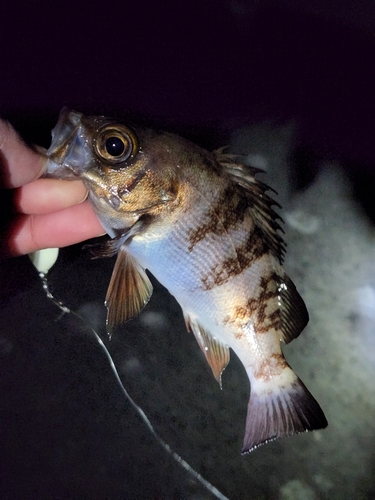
{"points": [[294, 315], [260, 203], [129, 290], [217, 354]]}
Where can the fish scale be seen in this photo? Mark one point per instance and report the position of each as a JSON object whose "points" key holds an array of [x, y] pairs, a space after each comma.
{"points": [[204, 225]]}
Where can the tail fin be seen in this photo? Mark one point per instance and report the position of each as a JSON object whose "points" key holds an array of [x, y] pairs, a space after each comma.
{"points": [[280, 407]]}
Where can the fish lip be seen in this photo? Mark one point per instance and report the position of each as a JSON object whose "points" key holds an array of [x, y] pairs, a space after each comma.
{"points": [[92, 180], [66, 125], [55, 170], [69, 154]]}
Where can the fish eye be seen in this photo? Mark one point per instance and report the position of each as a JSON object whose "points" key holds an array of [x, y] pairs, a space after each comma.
{"points": [[115, 144]]}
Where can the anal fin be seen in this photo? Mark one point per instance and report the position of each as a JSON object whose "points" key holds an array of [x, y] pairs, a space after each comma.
{"points": [[217, 354], [279, 407], [128, 292]]}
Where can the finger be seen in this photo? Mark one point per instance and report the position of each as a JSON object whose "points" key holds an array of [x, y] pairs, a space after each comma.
{"points": [[58, 229], [18, 163], [49, 195]]}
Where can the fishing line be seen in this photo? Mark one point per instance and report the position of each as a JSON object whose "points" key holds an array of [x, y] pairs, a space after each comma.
{"points": [[138, 409]]}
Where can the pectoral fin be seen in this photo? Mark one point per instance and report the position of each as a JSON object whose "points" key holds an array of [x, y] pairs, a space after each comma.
{"points": [[217, 353], [111, 247], [129, 290]]}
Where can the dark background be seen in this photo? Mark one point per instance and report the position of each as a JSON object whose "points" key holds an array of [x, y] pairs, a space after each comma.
{"points": [[200, 68], [197, 64]]}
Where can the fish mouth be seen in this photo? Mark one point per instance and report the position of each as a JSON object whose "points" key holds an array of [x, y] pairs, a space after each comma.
{"points": [[67, 123], [62, 172], [69, 154]]}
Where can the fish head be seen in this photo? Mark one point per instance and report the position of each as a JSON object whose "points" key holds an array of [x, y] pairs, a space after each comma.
{"points": [[127, 173]]}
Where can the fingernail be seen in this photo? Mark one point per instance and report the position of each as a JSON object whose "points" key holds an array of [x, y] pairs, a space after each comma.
{"points": [[84, 198]]}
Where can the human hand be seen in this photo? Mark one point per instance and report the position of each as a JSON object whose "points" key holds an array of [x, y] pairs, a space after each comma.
{"points": [[39, 213]]}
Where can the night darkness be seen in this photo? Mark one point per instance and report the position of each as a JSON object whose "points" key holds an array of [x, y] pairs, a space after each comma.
{"points": [[195, 64]]}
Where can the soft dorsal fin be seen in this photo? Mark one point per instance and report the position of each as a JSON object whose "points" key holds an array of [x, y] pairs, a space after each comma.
{"points": [[294, 315], [260, 204], [128, 292], [217, 354]]}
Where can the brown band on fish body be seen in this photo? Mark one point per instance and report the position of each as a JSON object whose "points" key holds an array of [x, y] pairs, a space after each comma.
{"points": [[232, 208], [252, 249], [271, 367], [264, 321], [197, 234], [212, 225], [256, 309], [240, 312], [228, 211], [239, 317], [221, 273]]}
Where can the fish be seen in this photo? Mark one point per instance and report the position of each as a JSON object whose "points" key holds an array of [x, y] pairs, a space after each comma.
{"points": [[205, 226]]}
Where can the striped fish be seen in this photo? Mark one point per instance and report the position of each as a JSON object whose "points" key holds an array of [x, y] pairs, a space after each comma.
{"points": [[205, 227]]}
